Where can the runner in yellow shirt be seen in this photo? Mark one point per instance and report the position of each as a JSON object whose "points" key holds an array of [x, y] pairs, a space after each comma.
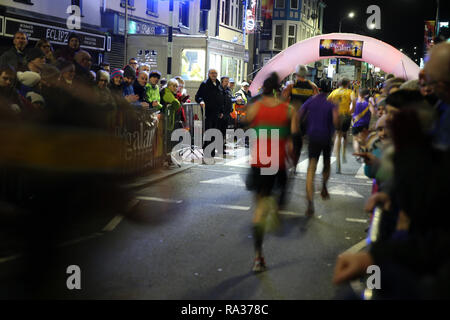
{"points": [[342, 97]]}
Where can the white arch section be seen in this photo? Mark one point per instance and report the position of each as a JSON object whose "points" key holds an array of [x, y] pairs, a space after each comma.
{"points": [[375, 52]]}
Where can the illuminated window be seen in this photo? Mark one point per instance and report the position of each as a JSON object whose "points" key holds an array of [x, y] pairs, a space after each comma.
{"points": [[193, 64]]}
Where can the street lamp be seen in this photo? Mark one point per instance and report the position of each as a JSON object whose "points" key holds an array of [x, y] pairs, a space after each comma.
{"points": [[350, 15]]}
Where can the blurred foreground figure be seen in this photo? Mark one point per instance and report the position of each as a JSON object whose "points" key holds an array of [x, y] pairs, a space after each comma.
{"points": [[55, 167]]}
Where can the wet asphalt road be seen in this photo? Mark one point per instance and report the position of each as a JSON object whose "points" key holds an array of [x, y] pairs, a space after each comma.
{"points": [[189, 237]]}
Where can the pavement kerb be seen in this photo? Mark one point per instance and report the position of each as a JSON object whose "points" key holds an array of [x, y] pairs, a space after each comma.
{"points": [[145, 182]]}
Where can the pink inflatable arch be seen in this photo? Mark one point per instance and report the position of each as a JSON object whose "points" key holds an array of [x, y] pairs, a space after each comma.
{"points": [[375, 52]]}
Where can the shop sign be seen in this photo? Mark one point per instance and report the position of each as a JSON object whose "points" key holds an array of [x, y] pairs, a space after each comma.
{"points": [[37, 31]]}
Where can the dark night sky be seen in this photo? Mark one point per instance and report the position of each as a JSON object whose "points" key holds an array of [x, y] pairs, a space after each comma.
{"points": [[402, 21]]}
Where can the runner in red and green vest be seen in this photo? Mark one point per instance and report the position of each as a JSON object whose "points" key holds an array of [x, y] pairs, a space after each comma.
{"points": [[265, 116]]}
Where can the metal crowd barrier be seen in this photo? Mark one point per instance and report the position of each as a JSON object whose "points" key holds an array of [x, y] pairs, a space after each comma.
{"points": [[146, 145], [143, 132]]}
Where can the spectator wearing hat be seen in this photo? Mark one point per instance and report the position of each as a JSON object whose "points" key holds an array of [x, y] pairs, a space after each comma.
{"points": [[116, 84], [129, 76], [105, 66], [36, 100], [15, 57], [35, 59], [28, 81], [69, 51], [232, 86], [47, 49], [152, 90]]}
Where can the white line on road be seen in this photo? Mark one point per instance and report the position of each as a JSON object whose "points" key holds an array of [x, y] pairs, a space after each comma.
{"points": [[6, 259], [158, 199], [224, 206], [113, 223], [357, 247], [290, 213], [356, 220], [360, 174], [92, 236]]}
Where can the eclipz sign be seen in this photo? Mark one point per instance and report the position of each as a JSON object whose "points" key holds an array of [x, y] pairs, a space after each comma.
{"points": [[37, 31]]}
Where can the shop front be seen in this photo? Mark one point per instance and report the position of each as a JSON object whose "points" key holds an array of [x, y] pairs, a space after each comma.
{"points": [[56, 34], [192, 57]]}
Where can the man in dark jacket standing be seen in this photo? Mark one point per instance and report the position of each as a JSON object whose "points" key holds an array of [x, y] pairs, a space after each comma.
{"points": [[210, 96], [15, 57]]}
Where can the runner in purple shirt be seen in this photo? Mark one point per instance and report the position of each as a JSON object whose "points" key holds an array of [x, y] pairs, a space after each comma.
{"points": [[322, 117]]}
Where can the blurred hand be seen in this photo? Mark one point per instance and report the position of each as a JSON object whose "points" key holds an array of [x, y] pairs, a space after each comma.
{"points": [[381, 198], [221, 116], [155, 103], [239, 100], [202, 104], [132, 98], [349, 266], [145, 105]]}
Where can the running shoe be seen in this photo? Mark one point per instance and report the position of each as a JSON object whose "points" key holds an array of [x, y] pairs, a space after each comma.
{"points": [[259, 265]]}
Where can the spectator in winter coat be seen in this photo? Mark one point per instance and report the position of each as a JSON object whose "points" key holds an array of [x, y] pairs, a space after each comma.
{"points": [[152, 90], [15, 57]]}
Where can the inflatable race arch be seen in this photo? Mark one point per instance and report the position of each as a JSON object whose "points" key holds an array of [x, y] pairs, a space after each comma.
{"points": [[339, 45]]}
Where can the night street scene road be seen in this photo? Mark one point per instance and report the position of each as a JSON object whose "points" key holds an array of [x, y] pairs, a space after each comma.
{"points": [[224, 154]]}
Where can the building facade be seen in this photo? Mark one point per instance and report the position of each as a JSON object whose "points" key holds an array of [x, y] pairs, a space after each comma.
{"points": [[291, 21], [46, 19]]}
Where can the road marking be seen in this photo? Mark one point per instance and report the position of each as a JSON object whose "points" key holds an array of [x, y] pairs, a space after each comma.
{"points": [[234, 180], [10, 258], [243, 162], [290, 213], [303, 165], [360, 174], [92, 236], [158, 199], [357, 247], [344, 190], [356, 220], [225, 206], [113, 223]]}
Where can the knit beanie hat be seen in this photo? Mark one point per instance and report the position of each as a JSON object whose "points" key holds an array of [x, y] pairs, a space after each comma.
{"points": [[34, 53], [129, 72], [116, 73], [34, 97], [28, 78]]}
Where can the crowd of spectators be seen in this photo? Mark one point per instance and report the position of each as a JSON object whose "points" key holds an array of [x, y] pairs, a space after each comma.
{"points": [[408, 157]]}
